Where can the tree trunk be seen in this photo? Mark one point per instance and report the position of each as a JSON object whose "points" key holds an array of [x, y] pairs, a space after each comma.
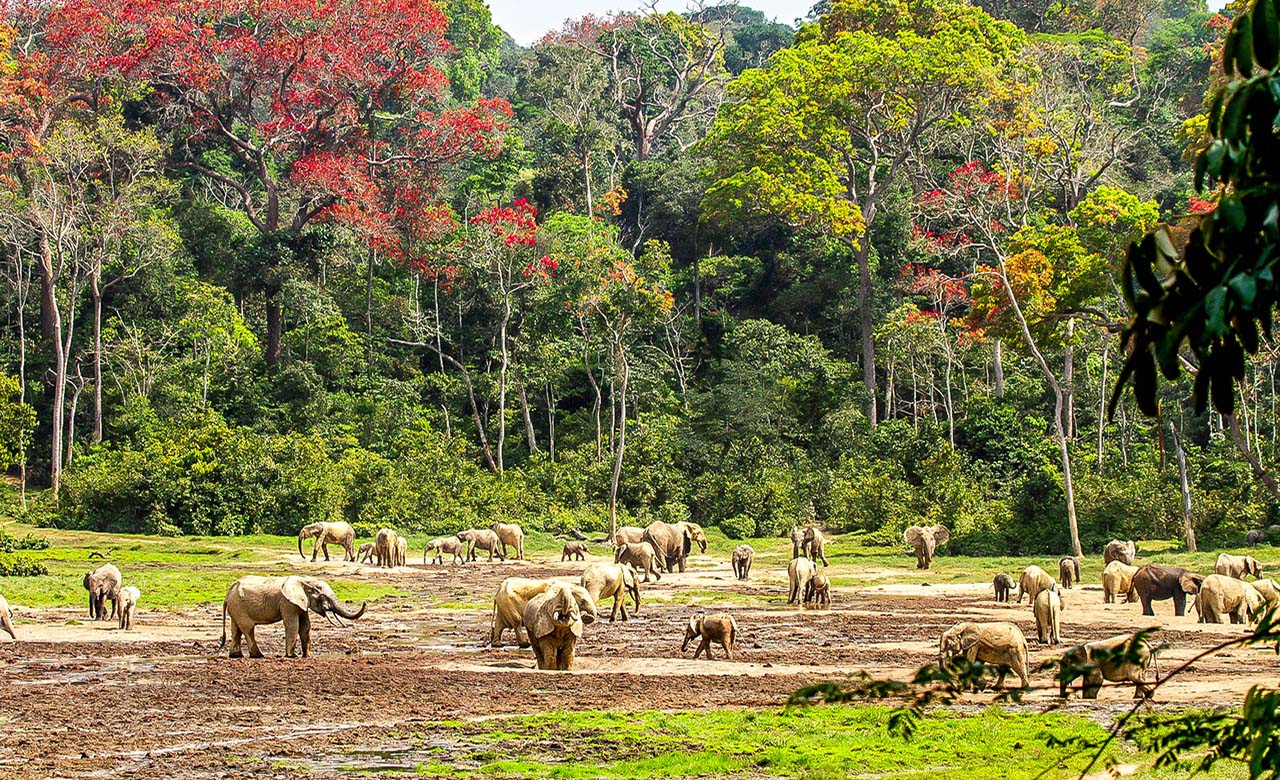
{"points": [[51, 324], [866, 317], [1186, 488], [1068, 377], [623, 375], [71, 416], [371, 258], [951, 417], [529, 433], [275, 326], [1102, 404], [502, 382], [997, 366], [95, 292], [597, 400], [551, 423]]}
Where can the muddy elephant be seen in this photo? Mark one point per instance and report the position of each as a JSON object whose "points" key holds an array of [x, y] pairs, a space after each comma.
{"points": [[1155, 582], [509, 534], [574, 551], [384, 548], [924, 541], [1222, 595], [818, 592], [799, 572], [720, 628], [1001, 644], [445, 544], [628, 534], [402, 551], [129, 596], [253, 601], [365, 553], [483, 539], [743, 555], [1270, 591], [6, 618], [1117, 578], [816, 542], [1068, 571], [508, 607], [1033, 580], [554, 621], [1238, 566], [674, 542], [641, 556], [325, 534], [611, 580], [797, 543], [103, 583], [1122, 658], [1003, 585], [1048, 611], [1116, 550]]}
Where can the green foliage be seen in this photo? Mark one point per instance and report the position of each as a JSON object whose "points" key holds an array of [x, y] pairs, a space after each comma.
{"points": [[21, 566], [10, 543], [17, 421], [738, 527]]}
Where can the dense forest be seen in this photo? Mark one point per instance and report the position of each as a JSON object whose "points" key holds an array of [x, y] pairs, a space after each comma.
{"points": [[270, 262]]}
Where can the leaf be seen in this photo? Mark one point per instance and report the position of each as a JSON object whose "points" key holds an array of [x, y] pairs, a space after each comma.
{"points": [[1244, 51], [1144, 383], [1215, 309], [1266, 34], [1200, 390], [1222, 391], [1245, 288]]}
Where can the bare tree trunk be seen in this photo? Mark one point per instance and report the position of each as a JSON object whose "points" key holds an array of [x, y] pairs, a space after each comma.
{"points": [[951, 417], [624, 371], [371, 257], [51, 321], [867, 322], [1267, 479], [529, 433], [888, 390], [1186, 488], [1102, 404], [71, 415], [551, 423], [502, 381], [997, 367], [597, 400], [95, 293], [1068, 379]]}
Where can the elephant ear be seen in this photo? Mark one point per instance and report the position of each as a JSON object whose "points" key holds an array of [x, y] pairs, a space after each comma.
{"points": [[586, 606], [940, 534], [687, 545], [914, 536], [1190, 582], [295, 593]]}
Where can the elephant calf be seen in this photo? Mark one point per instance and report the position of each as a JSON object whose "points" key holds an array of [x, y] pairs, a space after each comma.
{"points": [[1238, 566], [743, 555], [721, 628], [573, 551], [365, 553], [1069, 571], [1116, 659], [1117, 550], [1117, 578], [445, 544], [799, 573], [6, 618], [484, 539], [1222, 595], [129, 596], [611, 580], [641, 556], [1048, 611], [1001, 644], [1003, 585], [818, 591]]}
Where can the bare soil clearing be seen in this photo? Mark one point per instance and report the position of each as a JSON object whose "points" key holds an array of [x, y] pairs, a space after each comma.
{"points": [[180, 708]]}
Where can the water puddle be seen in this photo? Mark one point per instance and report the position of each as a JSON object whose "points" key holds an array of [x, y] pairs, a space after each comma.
{"points": [[391, 757], [58, 674]]}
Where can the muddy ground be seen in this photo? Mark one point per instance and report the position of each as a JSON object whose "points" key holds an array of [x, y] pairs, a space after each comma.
{"points": [[86, 700]]}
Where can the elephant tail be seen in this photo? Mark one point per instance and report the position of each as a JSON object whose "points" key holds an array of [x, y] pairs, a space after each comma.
{"points": [[493, 623], [224, 625]]}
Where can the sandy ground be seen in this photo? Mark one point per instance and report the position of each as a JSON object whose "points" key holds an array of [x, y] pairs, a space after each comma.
{"points": [[88, 700]]}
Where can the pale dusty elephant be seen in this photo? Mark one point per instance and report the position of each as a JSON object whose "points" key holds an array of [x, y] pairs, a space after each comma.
{"points": [[1116, 550], [816, 543], [628, 534], [384, 548], [402, 550], [641, 556], [340, 533], [1117, 659], [924, 541], [743, 555], [129, 596], [818, 592], [673, 542], [611, 580], [446, 544], [574, 550], [254, 601], [1238, 566], [483, 539], [1117, 578], [508, 607], [103, 583], [1222, 595], [1048, 611], [720, 628], [1033, 580], [6, 618], [365, 553], [1001, 644], [1069, 571], [554, 620], [797, 543], [1270, 591], [799, 572], [510, 534]]}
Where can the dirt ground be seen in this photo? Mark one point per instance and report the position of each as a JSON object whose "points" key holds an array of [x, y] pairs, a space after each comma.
{"points": [[86, 700]]}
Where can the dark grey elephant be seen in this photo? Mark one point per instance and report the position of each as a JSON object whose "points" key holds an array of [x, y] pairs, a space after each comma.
{"points": [[1155, 582], [673, 542]]}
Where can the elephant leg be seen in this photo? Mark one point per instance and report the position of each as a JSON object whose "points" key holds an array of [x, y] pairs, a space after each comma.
{"points": [[304, 633], [290, 636], [614, 612], [236, 635], [522, 638], [621, 599], [1092, 684], [1179, 603], [728, 651], [1146, 605], [315, 550], [254, 652], [325, 547]]}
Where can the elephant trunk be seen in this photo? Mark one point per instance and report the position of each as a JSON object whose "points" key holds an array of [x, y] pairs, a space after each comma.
{"points": [[300, 552], [339, 610]]}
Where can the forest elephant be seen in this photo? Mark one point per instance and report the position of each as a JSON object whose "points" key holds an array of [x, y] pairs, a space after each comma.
{"points": [[1123, 658], [103, 583], [1116, 550], [1155, 582], [574, 551], [6, 618], [1033, 580], [365, 553], [1222, 595], [797, 542], [1238, 566], [402, 550], [743, 555], [611, 580], [554, 621], [1003, 585], [816, 542], [925, 540], [325, 534], [509, 534], [628, 534], [1001, 644], [508, 607], [799, 573], [642, 556], [818, 591], [254, 601], [1270, 591], [720, 628], [1255, 537], [384, 548], [483, 539], [1117, 578], [1069, 571], [674, 541], [445, 544], [129, 596], [1048, 611]]}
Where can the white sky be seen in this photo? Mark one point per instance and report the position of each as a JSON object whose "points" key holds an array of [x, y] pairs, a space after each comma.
{"points": [[528, 20]]}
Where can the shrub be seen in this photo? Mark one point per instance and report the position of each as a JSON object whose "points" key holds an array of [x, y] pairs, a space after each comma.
{"points": [[738, 526], [21, 566], [10, 543]]}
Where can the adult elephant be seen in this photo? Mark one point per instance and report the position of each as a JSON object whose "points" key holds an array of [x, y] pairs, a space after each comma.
{"points": [[924, 540], [611, 580], [554, 620], [402, 551], [510, 534], [384, 548], [508, 607], [816, 543], [485, 540], [628, 534], [6, 618], [1237, 566], [1221, 595], [326, 534], [797, 543], [673, 542], [1156, 582], [103, 583], [1117, 550], [642, 556], [254, 601]]}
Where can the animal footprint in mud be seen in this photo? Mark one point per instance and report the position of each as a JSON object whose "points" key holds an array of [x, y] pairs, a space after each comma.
{"points": [[755, 645]]}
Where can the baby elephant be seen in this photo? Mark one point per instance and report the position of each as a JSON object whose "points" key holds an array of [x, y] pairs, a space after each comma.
{"points": [[1110, 659], [129, 596], [1003, 585], [1001, 644], [1069, 571], [818, 592], [446, 544], [574, 551], [365, 553], [1048, 612], [743, 555], [720, 628]]}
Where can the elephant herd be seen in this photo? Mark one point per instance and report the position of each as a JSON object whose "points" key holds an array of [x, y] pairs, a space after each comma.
{"points": [[390, 550]]}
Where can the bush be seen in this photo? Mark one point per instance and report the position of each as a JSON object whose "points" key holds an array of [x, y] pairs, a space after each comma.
{"points": [[10, 543], [21, 566], [738, 526]]}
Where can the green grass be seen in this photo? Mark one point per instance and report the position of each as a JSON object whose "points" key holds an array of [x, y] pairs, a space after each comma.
{"points": [[816, 744]]}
